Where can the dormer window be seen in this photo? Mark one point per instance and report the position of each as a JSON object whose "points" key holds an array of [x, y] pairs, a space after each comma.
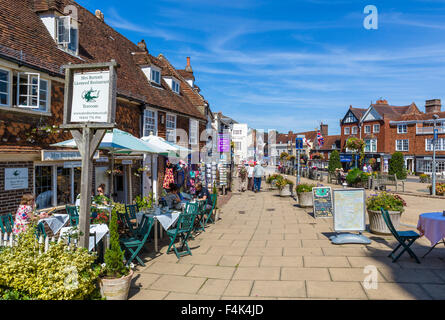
{"points": [[175, 86], [67, 35], [152, 73], [156, 76]]}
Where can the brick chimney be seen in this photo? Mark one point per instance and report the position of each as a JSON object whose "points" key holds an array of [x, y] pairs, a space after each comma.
{"points": [[324, 129], [142, 45], [381, 101], [432, 106], [188, 68]]}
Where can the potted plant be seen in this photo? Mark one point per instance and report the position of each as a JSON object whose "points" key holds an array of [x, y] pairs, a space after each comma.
{"points": [[440, 189], [424, 178], [115, 276], [285, 187], [391, 202], [304, 192], [271, 180]]}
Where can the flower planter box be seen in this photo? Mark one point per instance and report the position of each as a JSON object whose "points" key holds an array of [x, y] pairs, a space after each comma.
{"points": [[305, 199], [286, 191], [116, 289], [377, 224]]}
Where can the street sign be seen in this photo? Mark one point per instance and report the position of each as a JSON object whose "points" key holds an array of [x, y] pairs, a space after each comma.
{"points": [[299, 143], [322, 202], [436, 131], [345, 157]]}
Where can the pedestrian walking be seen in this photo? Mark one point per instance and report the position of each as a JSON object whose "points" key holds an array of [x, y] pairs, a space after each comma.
{"points": [[365, 168], [242, 173], [258, 173], [250, 177]]}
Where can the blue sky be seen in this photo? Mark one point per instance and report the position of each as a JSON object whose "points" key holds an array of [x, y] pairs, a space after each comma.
{"points": [[288, 65]]}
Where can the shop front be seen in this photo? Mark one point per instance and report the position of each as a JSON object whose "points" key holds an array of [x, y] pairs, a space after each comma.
{"points": [[424, 164]]}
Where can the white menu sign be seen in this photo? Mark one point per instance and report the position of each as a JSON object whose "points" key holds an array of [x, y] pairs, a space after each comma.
{"points": [[16, 178], [90, 97]]}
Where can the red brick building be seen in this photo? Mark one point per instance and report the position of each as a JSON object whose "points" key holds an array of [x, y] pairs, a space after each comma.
{"points": [[40, 36], [387, 129]]}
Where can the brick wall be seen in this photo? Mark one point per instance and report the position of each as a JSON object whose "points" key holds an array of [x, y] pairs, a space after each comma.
{"points": [[416, 142], [10, 200]]}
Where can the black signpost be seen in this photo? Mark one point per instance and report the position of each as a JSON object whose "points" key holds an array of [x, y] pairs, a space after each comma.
{"points": [[89, 110], [322, 202]]}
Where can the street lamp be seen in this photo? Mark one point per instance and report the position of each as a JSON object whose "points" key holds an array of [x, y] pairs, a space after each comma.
{"points": [[433, 187]]}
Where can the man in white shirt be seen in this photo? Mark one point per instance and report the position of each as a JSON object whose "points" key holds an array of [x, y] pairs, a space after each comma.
{"points": [[258, 173], [250, 177]]}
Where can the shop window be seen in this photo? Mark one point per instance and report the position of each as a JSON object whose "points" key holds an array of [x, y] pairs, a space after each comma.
{"points": [[171, 128], [150, 123], [193, 132], [43, 186], [5, 84]]}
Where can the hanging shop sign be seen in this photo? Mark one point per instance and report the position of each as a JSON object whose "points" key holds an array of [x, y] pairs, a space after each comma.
{"points": [[223, 142], [16, 178], [72, 164]]}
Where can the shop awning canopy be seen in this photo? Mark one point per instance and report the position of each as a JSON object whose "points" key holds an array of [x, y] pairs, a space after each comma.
{"points": [[118, 141], [166, 148]]}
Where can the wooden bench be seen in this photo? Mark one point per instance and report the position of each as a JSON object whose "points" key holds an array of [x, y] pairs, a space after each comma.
{"points": [[387, 180]]}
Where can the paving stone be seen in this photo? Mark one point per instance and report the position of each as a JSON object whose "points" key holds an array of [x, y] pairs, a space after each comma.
{"points": [[257, 273], [264, 252], [352, 274], [169, 268], [269, 261], [213, 287], [286, 289], [302, 252], [326, 262], [283, 243], [143, 279], [238, 288], [229, 261], [190, 297], [201, 259], [250, 261], [411, 276], [397, 291], [337, 289], [142, 294], [178, 284], [231, 251], [213, 272], [436, 291], [290, 273]]}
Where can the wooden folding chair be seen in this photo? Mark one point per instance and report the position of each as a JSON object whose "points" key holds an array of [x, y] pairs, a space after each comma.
{"points": [[134, 245], [405, 238], [183, 229]]}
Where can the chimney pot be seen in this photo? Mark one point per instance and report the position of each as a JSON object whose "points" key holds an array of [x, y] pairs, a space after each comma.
{"points": [[188, 67], [99, 15], [142, 45]]}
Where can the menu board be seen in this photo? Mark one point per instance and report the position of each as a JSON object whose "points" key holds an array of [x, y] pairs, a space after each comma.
{"points": [[349, 210], [322, 202]]}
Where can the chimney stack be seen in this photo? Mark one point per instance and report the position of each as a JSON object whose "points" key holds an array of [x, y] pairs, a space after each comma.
{"points": [[142, 45], [432, 106], [99, 15], [324, 129], [188, 68]]}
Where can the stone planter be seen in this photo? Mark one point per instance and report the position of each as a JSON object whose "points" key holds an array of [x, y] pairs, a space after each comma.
{"points": [[286, 191], [377, 224], [305, 199], [116, 289]]}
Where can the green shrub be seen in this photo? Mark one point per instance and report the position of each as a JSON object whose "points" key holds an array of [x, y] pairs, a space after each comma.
{"points": [[273, 177], [354, 176], [334, 161], [397, 165], [144, 202], [387, 201], [304, 187], [282, 183], [114, 256], [58, 274]]}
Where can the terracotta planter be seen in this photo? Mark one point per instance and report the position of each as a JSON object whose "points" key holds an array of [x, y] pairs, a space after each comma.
{"points": [[116, 289], [377, 224], [305, 199]]}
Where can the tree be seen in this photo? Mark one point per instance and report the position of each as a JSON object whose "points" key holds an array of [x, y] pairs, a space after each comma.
{"points": [[283, 155], [397, 165], [358, 146], [334, 161]]}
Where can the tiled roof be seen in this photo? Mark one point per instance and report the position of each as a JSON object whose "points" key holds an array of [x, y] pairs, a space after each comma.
{"points": [[22, 30], [186, 74], [329, 141], [358, 112]]}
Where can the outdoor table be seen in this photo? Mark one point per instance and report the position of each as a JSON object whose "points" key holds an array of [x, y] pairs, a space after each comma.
{"points": [[432, 226], [166, 218], [100, 229], [55, 222]]}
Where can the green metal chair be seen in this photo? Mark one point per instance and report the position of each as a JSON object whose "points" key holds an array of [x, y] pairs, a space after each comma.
{"points": [[200, 216], [214, 197], [134, 245], [6, 223], [74, 215], [131, 210], [184, 228], [405, 238], [40, 231]]}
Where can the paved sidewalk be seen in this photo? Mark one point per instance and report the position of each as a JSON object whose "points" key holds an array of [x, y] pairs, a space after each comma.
{"points": [[266, 247]]}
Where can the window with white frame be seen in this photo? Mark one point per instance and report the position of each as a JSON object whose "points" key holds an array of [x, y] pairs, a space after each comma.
{"points": [[170, 128], [354, 130], [150, 122], [370, 145], [440, 144], [367, 129], [5, 85], [402, 128], [402, 145], [32, 92], [376, 128], [238, 145], [175, 86], [67, 34], [347, 130], [237, 132], [426, 165], [193, 134], [156, 75]]}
